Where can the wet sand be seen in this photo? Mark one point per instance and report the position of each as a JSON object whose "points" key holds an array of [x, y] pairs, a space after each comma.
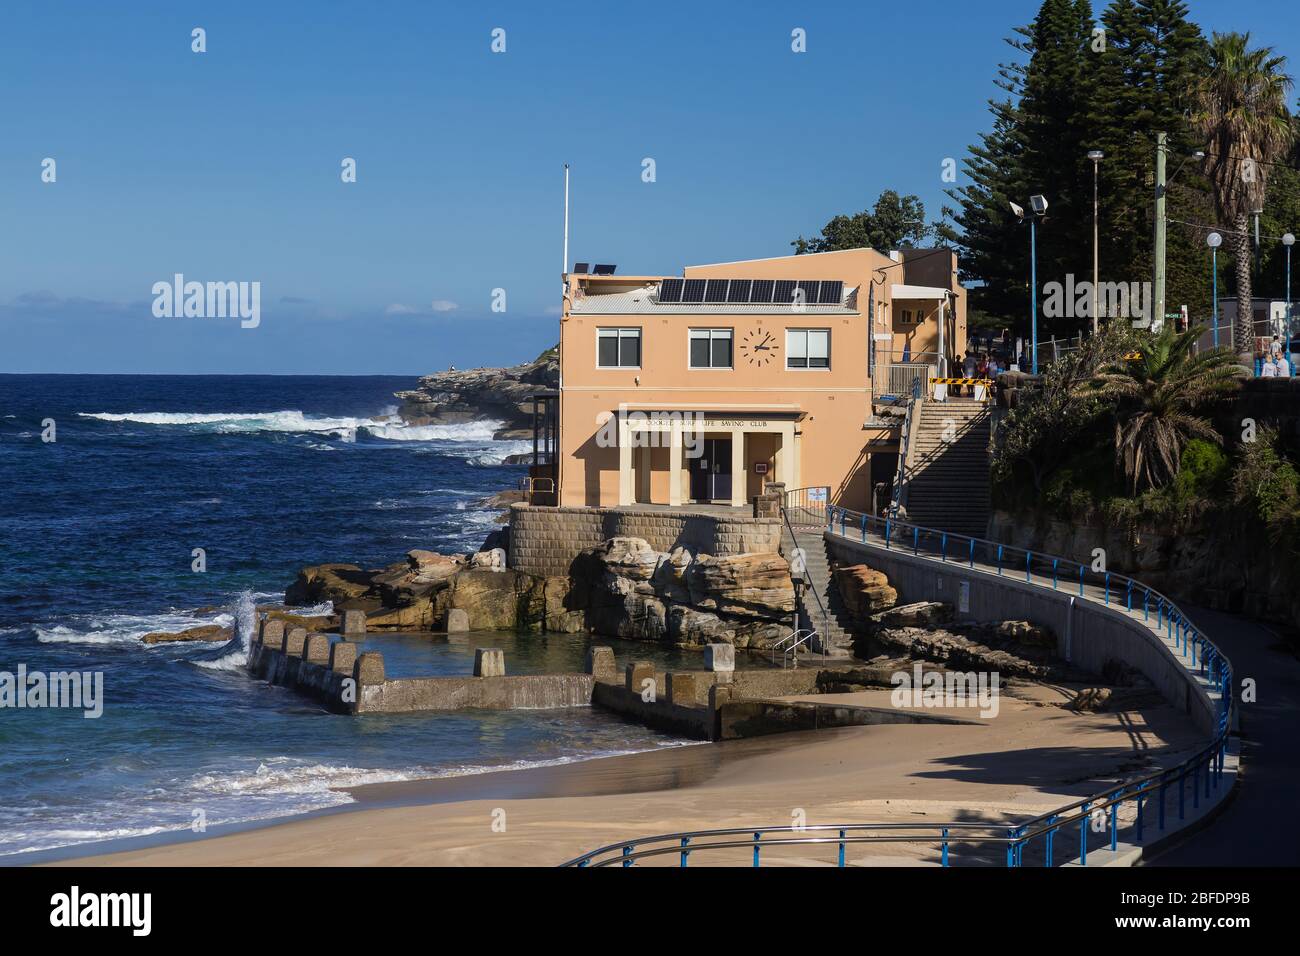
{"points": [[1030, 758]]}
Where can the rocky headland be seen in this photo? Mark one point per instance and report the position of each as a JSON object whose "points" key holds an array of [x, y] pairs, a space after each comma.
{"points": [[622, 588], [457, 396]]}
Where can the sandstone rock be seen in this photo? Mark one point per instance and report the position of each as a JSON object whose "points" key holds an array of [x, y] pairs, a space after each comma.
{"points": [[756, 585], [345, 584], [457, 620], [919, 614], [1030, 635], [204, 632], [1091, 700], [490, 598], [865, 590], [493, 560], [416, 616]]}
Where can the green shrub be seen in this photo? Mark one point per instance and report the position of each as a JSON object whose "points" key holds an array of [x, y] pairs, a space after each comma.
{"points": [[1203, 470]]}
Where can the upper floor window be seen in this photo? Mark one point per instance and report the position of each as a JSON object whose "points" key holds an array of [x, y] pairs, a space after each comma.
{"points": [[808, 348], [618, 348], [710, 348]]}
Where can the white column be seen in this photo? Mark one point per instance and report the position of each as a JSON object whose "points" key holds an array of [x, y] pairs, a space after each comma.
{"points": [[675, 464], [738, 476], [624, 463], [786, 456]]}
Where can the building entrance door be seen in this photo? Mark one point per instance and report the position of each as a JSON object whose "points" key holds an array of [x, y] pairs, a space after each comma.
{"points": [[711, 472]]}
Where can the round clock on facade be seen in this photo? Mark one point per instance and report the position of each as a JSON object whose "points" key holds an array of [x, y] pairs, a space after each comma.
{"points": [[758, 347]]}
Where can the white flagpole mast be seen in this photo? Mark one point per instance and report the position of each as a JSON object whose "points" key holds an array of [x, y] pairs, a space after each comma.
{"points": [[564, 266]]}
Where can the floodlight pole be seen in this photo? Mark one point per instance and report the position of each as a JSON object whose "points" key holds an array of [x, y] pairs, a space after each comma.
{"points": [[1033, 293], [1158, 286]]}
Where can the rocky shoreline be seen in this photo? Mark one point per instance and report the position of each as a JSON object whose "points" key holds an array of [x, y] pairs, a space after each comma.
{"points": [[457, 396]]}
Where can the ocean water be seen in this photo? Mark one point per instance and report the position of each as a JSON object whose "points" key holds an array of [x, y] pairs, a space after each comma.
{"points": [[265, 474]]}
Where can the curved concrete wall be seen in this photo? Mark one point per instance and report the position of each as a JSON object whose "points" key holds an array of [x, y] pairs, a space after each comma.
{"points": [[1089, 633]]}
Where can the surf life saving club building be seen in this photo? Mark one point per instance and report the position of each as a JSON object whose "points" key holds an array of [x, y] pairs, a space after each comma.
{"points": [[698, 389]]}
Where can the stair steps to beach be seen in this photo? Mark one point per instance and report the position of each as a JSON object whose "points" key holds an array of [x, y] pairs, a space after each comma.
{"points": [[948, 466], [834, 631]]}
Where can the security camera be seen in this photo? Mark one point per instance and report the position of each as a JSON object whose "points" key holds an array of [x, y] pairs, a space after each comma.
{"points": [[1039, 204]]}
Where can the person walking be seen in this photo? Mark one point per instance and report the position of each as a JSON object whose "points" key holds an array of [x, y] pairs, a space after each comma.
{"points": [[1269, 369]]}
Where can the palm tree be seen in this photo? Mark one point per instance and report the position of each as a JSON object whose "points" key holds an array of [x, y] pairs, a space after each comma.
{"points": [[1241, 110], [1156, 394]]}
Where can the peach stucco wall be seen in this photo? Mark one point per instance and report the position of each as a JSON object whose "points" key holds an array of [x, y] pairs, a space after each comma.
{"points": [[829, 406]]}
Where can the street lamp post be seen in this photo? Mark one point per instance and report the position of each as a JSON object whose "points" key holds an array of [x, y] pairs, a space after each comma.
{"points": [[1096, 156], [1288, 240], [1214, 240], [1037, 203]]}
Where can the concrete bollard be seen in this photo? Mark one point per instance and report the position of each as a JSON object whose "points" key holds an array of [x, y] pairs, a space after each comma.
{"points": [[719, 694], [369, 669], [457, 620], [353, 623], [317, 649], [273, 634], [342, 657], [636, 674], [489, 662], [294, 641], [680, 689], [600, 663], [719, 657]]}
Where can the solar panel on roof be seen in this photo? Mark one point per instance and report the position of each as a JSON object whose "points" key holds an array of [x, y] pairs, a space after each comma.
{"points": [[738, 291], [809, 289], [716, 291], [783, 293], [832, 292], [762, 291], [693, 291], [670, 290]]}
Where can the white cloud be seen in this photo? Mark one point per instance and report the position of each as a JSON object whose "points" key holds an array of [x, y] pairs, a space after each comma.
{"points": [[444, 305], [398, 308]]}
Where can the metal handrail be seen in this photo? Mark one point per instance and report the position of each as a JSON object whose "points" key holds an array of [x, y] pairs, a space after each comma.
{"points": [[821, 608], [808, 634], [1206, 764], [898, 493]]}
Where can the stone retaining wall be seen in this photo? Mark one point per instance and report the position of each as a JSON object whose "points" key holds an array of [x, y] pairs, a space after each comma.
{"points": [[545, 540]]}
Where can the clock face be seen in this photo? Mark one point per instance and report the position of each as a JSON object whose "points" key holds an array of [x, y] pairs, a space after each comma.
{"points": [[758, 347]]}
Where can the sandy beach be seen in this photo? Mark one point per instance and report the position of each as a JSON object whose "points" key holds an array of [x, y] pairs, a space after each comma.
{"points": [[1033, 756]]}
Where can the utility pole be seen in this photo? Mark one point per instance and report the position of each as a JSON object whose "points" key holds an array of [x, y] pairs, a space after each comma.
{"points": [[1158, 285]]}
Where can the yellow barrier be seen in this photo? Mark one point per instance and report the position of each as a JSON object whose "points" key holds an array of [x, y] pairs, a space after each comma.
{"points": [[961, 381]]}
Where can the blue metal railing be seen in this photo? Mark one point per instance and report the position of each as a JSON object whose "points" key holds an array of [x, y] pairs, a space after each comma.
{"points": [[1098, 813]]}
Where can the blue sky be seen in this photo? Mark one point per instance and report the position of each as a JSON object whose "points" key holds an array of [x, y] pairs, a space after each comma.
{"points": [[225, 165]]}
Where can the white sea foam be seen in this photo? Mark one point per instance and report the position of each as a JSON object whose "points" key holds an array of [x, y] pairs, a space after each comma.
{"points": [[235, 654], [121, 628], [387, 426]]}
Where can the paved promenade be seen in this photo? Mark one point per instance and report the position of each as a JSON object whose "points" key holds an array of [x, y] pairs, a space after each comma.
{"points": [[1256, 827]]}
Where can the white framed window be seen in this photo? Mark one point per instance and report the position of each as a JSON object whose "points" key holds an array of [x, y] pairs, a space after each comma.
{"points": [[808, 348], [710, 348], [618, 348]]}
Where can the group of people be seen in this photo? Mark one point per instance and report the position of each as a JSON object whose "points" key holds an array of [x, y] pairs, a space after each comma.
{"points": [[1275, 362], [979, 365]]}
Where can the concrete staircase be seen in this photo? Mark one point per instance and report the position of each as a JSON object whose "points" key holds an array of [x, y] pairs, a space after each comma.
{"points": [[947, 477], [835, 632]]}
